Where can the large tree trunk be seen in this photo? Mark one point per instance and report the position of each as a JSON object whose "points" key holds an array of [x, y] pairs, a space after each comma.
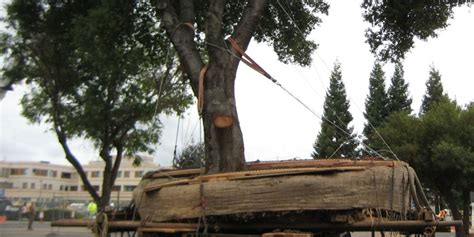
{"points": [[224, 142]]}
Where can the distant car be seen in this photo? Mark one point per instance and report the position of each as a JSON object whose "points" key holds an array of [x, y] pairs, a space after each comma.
{"points": [[78, 207], [4, 203]]}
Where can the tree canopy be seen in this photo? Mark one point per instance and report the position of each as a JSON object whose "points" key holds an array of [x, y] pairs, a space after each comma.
{"points": [[436, 144], [192, 156], [95, 70], [396, 24]]}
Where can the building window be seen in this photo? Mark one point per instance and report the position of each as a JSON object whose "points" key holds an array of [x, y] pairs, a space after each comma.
{"points": [[66, 175], [6, 185], [54, 173], [4, 172], [50, 186], [95, 174], [138, 174], [119, 174], [17, 171], [25, 185], [116, 188], [73, 188], [61, 187], [45, 186], [33, 186], [126, 174], [96, 187], [128, 188], [40, 172]]}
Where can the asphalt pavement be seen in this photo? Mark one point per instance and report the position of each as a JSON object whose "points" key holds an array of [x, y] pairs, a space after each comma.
{"points": [[19, 229]]}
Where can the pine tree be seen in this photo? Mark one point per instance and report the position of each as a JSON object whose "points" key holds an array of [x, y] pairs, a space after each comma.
{"points": [[434, 91], [398, 97], [376, 104], [335, 141]]}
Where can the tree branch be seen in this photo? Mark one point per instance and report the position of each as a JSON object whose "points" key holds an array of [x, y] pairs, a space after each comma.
{"points": [[62, 138], [186, 8], [248, 22], [182, 38], [214, 28]]}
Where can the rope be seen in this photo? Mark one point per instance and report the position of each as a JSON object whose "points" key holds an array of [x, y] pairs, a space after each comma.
{"points": [[176, 140], [248, 60], [202, 75], [101, 229]]}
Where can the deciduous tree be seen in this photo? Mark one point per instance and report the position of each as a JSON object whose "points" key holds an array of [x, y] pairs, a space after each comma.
{"points": [[438, 144], [95, 71]]}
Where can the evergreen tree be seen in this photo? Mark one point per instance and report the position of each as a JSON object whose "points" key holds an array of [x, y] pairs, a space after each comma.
{"points": [[398, 98], [376, 104], [331, 141], [434, 91]]}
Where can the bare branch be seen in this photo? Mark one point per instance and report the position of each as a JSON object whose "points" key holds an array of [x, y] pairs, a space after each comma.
{"points": [[182, 38]]}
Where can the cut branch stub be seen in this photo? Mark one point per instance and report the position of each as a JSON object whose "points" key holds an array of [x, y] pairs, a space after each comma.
{"points": [[223, 121]]}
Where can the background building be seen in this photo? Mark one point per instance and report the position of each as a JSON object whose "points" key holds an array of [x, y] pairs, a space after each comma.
{"points": [[55, 185]]}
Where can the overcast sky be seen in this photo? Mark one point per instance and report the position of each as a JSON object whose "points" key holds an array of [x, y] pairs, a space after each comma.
{"points": [[274, 125]]}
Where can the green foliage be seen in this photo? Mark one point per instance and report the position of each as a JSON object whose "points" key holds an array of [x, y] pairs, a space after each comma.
{"points": [[398, 97], [278, 28], [376, 103], [434, 91], [192, 156], [99, 64], [438, 144], [275, 28], [335, 138], [395, 24]]}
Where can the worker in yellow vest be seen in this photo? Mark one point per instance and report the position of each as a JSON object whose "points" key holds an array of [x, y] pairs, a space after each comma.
{"points": [[92, 208]]}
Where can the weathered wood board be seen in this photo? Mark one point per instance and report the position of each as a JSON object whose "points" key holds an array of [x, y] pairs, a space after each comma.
{"points": [[381, 185]]}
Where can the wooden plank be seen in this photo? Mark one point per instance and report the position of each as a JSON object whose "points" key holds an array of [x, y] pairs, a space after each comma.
{"points": [[166, 230], [248, 175], [152, 186], [287, 234], [177, 173], [320, 163], [297, 171]]}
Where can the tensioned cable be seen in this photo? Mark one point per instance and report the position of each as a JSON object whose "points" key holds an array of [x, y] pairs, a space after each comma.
{"points": [[298, 100], [160, 91], [302, 35]]}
